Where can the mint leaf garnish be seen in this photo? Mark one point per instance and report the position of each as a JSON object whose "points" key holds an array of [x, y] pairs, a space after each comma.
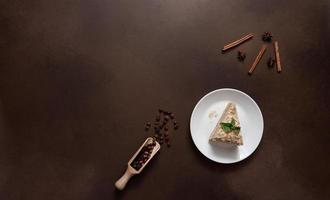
{"points": [[229, 127], [226, 127]]}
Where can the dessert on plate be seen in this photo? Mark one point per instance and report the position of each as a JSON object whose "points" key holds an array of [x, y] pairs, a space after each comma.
{"points": [[228, 128]]}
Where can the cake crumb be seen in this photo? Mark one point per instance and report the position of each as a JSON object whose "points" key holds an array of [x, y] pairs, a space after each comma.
{"points": [[213, 114]]}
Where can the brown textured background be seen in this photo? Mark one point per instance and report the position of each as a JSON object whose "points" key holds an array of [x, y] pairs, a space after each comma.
{"points": [[79, 78]]}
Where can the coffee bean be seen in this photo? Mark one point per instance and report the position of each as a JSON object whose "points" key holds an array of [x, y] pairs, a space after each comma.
{"points": [[172, 116], [160, 110], [166, 118], [176, 127], [175, 122], [166, 128], [147, 126]]}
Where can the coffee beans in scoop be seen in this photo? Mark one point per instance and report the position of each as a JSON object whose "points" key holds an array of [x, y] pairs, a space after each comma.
{"points": [[143, 155]]}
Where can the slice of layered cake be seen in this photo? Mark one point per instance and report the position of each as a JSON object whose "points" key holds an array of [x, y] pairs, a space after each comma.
{"points": [[228, 128]]}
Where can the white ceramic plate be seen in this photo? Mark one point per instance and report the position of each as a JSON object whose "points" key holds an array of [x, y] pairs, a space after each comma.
{"points": [[207, 113]]}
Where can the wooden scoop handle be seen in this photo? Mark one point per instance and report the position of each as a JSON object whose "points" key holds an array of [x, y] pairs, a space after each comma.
{"points": [[121, 183]]}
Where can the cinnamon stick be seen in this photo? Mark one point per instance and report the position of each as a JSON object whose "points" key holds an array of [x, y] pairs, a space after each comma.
{"points": [[237, 42], [277, 57], [257, 59]]}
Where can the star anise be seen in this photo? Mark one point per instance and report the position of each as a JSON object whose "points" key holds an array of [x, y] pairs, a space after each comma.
{"points": [[241, 56], [267, 36]]}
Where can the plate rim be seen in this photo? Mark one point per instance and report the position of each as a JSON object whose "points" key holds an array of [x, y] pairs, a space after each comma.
{"points": [[226, 89]]}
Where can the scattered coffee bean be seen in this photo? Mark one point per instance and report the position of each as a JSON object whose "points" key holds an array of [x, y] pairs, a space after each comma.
{"points": [[161, 128], [267, 36], [270, 62], [147, 126]]}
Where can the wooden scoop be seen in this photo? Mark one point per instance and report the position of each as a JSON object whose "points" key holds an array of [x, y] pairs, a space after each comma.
{"points": [[130, 171]]}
